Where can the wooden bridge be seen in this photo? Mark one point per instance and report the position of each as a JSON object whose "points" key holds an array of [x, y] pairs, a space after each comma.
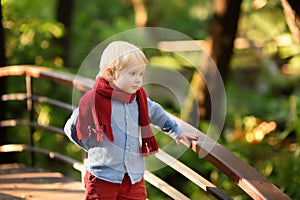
{"points": [[23, 182]]}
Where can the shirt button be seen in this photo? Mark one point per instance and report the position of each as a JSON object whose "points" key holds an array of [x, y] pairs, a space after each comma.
{"points": [[128, 146]]}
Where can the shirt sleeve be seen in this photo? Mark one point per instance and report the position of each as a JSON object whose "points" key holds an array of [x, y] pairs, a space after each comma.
{"points": [[70, 129], [160, 119]]}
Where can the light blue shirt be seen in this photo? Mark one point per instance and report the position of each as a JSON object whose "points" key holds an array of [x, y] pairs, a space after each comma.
{"points": [[108, 160]]}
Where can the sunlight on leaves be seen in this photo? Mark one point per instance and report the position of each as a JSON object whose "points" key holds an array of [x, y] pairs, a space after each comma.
{"points": [[44, 116], [252, 129], [293, 67], [165, 61], [27, 37]]}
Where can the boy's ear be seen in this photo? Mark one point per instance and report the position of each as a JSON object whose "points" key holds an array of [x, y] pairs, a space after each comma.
{"points": [[108, 74]]}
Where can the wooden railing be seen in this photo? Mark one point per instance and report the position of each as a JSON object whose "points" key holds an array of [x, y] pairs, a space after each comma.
{"points": [[246, 177]]}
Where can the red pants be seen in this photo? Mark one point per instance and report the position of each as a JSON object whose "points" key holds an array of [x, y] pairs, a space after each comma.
{"points": [[97, 189]]}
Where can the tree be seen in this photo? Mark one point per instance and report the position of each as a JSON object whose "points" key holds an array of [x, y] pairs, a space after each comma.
{"points": [[140, 13], [4, 158], [219, 45], [2, 52], [292, 13], [64, 16]]}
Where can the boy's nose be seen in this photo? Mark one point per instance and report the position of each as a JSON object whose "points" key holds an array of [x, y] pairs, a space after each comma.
{"points": [[138, 79]]}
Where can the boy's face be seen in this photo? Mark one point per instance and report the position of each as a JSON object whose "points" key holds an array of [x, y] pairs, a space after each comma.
{"points": [[130, 78]]}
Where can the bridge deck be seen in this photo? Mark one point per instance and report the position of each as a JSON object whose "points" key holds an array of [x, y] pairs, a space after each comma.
{"points": [[21, 182]]}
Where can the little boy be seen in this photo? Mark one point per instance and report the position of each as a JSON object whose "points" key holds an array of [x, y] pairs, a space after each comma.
{"points": [[112, 124]]}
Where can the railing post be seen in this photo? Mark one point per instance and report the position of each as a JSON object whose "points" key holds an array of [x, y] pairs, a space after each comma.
{"points": [[31, 116]]}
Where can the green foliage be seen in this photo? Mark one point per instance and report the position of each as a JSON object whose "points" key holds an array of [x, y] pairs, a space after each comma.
{"points": [[94, 22], [277, 155], [189, 16], [264, 89], [30, 29]]}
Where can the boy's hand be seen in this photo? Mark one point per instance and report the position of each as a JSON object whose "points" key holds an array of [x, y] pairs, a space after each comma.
{"points": [[186, 139]]}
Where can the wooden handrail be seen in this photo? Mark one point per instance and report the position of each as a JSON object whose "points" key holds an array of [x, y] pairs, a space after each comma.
{"points": [[191, 175], [79, 82], [164, 187], [246, 177], [40, 99]]}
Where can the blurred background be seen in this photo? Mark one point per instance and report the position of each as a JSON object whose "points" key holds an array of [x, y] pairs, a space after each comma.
{"points": [[254, 43]]}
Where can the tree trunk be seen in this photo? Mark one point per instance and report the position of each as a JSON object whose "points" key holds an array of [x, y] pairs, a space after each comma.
{"points": [[4, 158], [140, 13], [2, 64], [64, 16], [292, 13], [222, 33], [220, 43], [2, 50]]}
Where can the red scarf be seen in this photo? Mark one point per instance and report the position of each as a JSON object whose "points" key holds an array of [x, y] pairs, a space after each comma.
{"points": [[95, 114]]}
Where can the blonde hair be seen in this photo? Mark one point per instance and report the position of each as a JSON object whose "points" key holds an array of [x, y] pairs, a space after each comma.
{"points": [[117, 54]]}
